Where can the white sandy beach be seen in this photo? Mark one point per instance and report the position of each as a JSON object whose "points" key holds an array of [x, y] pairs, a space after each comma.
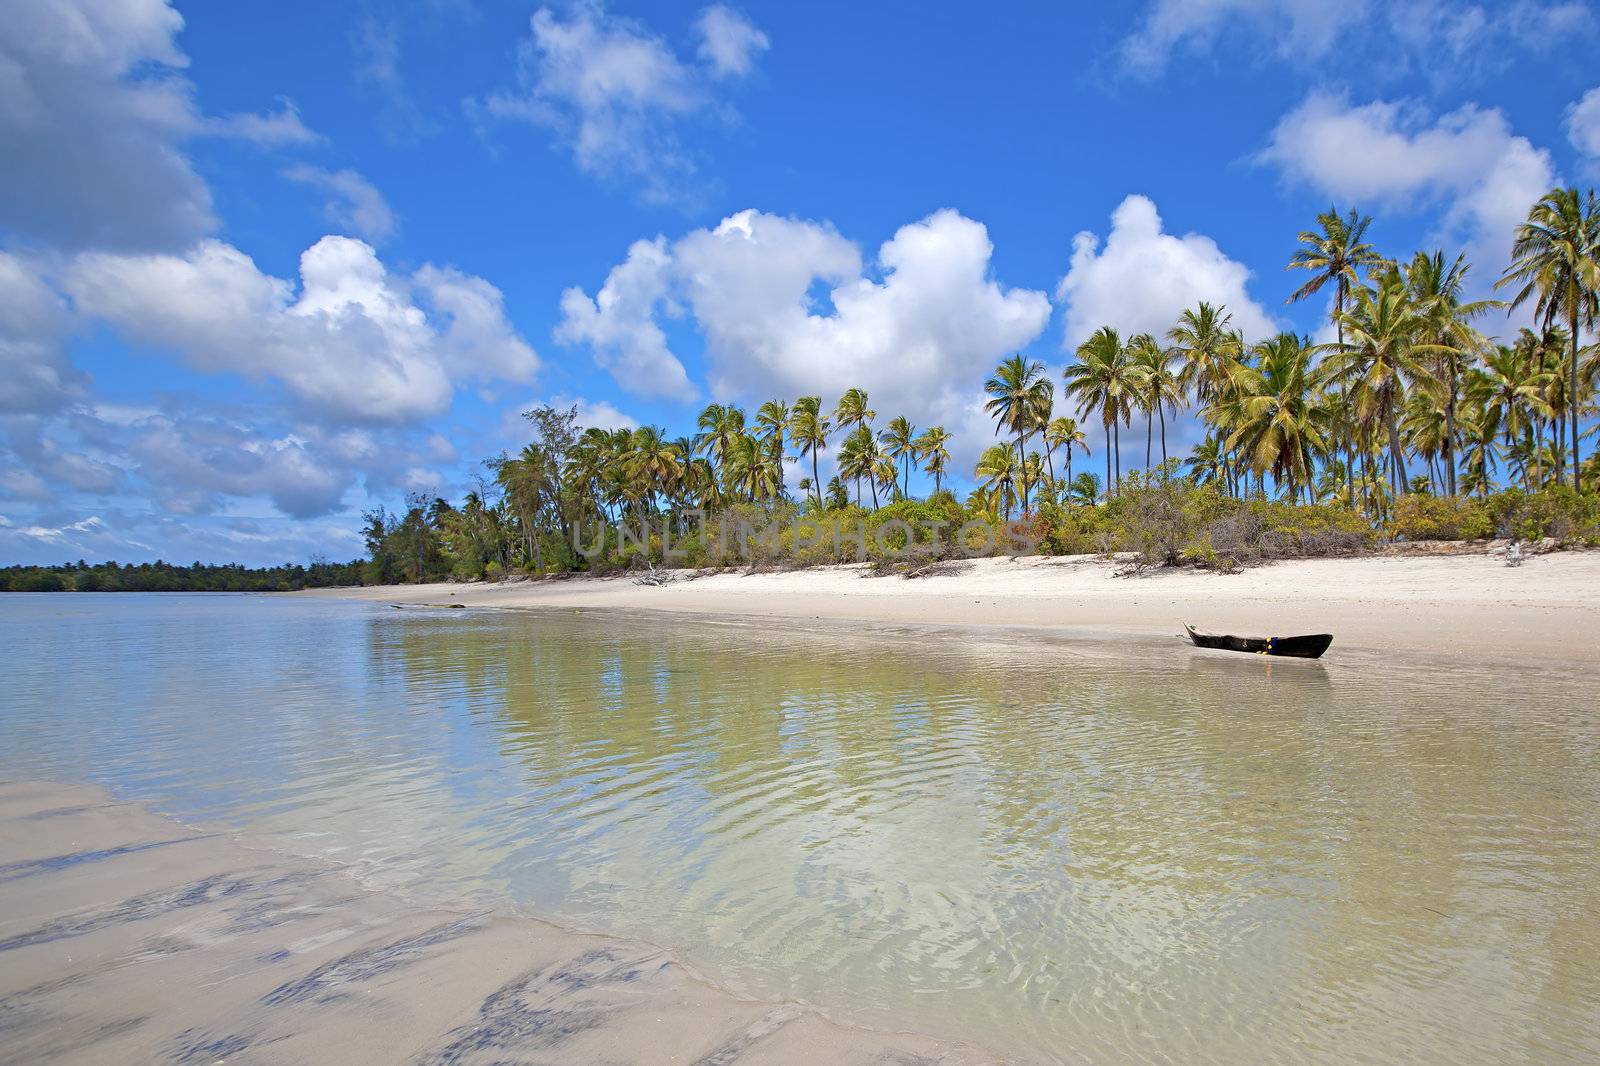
{"points": [[1474, 605]]}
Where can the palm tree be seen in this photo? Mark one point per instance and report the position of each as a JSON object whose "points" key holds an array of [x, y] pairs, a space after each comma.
{"points": [[998, 471], [858, 458], [1020, 396], [772, 423], [980, 501], [1159, 388], [837, 496], [1033, 468], [655, 463], [886, 473], [700, 485], [772, 420], [753, 469], [719, 425], [1104, 380], [1336, 253], [1083, 490], [1542, 354], [1207, 462], [1380, 354], [934, 449], [853, 410], [808, 428], [1422, 427], [1207, 348], [1436, 290], [1510, 388], [900, 443], [527, 483], [1556, 254], [1063, 432], [1279, 425], [1480, 429], [1210, 352]]}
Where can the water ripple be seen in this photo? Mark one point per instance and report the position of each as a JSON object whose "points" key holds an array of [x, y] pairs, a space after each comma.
{"points": [[1064, 850]]}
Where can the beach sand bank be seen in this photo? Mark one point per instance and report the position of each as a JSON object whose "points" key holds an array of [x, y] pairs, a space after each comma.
{"points": [[126, 937], [1464, 605]]}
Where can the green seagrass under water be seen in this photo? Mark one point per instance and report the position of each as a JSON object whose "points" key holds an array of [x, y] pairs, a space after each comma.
{"points": [[1056, 850]]}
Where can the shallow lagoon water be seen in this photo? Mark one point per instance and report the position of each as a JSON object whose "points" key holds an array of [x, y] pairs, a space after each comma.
{"points": [[1059, 850]]}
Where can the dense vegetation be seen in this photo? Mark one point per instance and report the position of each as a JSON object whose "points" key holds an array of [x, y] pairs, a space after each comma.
{"points": [[1413, 423], [165, 577]]}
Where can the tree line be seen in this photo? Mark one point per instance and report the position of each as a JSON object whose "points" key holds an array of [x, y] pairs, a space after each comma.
{"points": [[162, 576], [1412, 396]]}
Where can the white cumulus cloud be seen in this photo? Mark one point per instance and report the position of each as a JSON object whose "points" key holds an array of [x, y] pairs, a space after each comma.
{"points": [[35, 374], [936, 317], [1143, 278], [1583, 124], [353, 341], [786, 308], [619, 325], [268, 129], [1397, 155], [729, 42], [1435, 37], [79, 465], [1306, 26], [354, 203], [94, 114], [617, 93], [190, 462], [91, 152]]}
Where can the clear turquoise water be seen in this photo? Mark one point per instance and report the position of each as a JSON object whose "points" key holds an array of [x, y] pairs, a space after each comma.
{"points": [[1060, 851]]}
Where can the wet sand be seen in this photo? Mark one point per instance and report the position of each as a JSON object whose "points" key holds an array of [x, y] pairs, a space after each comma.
{"points": [[1471, 606], [126, 937]]}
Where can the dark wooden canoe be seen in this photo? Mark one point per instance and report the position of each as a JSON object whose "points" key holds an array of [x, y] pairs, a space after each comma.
{"points": [[1310, 646]]}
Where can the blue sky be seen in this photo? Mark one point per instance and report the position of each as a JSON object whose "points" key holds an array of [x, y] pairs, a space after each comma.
{"points": [[264, 266]]}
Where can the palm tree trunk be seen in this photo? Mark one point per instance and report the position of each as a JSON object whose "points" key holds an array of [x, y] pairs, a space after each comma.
{"points": [[1366, 470], [1344, 398], [1118, 428], [1450, 428], [1559, 425], [1149, 432], [816, 478], [1162, 414], [1397, 453], [1022, 457], [1109, 482], [1535, 435], [1572, 387], [872, 480]]}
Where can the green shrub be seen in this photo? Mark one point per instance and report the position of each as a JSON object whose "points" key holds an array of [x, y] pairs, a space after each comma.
{"points": [[1553, 512], [1439, 518]]}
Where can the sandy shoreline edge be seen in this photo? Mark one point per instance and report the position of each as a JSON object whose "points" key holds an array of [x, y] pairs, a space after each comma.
{"points": [[1461, 605], [127, 936]]}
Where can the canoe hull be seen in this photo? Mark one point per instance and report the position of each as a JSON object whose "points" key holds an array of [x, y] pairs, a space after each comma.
{"points": [[1309, 646]]}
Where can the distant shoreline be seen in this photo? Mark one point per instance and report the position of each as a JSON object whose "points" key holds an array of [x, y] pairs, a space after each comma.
{"points": [[1445, 605]]}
